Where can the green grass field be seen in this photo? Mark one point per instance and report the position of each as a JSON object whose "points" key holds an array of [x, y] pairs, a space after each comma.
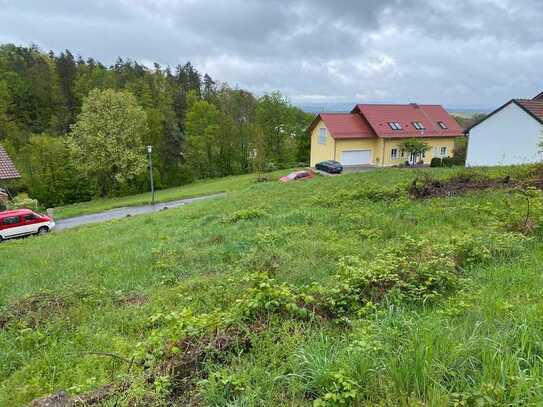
{"points": [[332, 291], [204, 187]]}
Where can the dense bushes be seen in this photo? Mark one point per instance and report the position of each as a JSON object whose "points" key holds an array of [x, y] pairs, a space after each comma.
{"points": [[410, 271], [447, 161]]}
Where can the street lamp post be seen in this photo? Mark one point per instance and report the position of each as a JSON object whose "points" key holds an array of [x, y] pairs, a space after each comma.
{"points": [[149, 152]]}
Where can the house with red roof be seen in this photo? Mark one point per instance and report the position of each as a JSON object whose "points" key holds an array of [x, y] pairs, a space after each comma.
{"points": [[371, 134], [509, 135], [7, 168]]}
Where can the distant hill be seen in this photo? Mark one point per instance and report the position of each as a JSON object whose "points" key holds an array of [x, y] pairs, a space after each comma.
{"points": [[464, 112]]}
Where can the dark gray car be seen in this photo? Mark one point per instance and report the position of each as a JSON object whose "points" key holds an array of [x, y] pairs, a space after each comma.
{"points": [[330, 166]]}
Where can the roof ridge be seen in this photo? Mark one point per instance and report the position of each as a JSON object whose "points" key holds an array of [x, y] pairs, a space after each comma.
{"points": [[529, 100], [399, 104], [349, 113]]}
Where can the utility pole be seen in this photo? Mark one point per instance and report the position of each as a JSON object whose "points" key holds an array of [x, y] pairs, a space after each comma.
{"points": [[149, 152]]}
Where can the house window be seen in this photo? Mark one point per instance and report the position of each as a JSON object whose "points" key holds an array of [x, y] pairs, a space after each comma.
{"points": [[443, 125], [322, 136], [443, 151], [395, 125], [418, 125], [394, 153]]}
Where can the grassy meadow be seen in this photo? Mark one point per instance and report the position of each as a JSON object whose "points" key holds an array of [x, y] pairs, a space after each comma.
{"points": [[332, 291], [199, 188]]}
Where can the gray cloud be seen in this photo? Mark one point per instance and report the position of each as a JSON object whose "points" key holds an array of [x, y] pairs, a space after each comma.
{"points": [[463, 53]]}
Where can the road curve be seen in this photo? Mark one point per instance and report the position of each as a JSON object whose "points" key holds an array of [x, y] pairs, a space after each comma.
{"points": [[118, 213]]}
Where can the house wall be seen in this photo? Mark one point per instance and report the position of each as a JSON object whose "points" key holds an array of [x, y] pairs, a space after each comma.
{"points": [[358, 144], [321, 152], [510, 136], [435, 144]]}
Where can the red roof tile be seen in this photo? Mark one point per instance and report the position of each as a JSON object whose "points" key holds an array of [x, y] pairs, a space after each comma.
{"points": [[7, 169], [534, 107], [539, 97], [379, 117], [346, 125]]}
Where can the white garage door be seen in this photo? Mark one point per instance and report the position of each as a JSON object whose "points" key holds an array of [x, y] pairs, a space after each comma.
{"points": [[356, 157]]}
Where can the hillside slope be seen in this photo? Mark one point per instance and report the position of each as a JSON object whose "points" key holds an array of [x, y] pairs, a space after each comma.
{"points": [[331, 291]]}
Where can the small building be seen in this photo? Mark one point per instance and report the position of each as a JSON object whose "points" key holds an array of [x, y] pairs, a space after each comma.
{"points": [[371, 133], [509, 135]]}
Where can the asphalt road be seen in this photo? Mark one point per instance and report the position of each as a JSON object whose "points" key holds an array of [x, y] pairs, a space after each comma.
{"points": [[128, 211]]}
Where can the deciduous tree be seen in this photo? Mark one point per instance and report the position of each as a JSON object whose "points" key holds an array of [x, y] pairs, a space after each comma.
{"points": [[107, 139]]}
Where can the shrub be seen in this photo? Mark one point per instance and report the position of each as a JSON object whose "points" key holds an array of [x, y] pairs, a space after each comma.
{"points": [[340, 391], [23, 201], [447, 162], [415, 270], [222, 388], [244, 214], [436, 162], [524, 217], [269, 297], [460, 151]]}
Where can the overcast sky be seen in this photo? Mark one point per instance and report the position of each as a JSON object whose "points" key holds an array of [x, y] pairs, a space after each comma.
{"points": [[470, 53]]}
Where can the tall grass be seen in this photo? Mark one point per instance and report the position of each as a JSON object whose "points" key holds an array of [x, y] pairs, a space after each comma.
{"points": [[478, 345]]}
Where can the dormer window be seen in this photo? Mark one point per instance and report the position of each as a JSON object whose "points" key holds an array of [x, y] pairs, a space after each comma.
{"points": [[395, 125], [443, 125], [418, 125]]}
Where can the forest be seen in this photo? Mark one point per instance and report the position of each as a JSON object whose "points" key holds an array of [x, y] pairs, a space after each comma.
{"points": [[78, 129]]}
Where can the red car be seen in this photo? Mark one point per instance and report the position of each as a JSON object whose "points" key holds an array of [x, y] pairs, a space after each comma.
{"points": [[23, 222], [298, 176]]}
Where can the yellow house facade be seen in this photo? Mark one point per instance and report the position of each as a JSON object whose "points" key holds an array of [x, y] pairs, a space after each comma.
{"points": [[374, 140]]}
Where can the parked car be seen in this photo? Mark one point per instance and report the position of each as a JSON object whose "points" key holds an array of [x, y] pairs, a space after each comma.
{"points": [[330, 166], [23, 222], [297, 176]]}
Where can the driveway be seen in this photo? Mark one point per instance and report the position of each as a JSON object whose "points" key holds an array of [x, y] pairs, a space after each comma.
{"points": [[128, 211], [351, 169]]}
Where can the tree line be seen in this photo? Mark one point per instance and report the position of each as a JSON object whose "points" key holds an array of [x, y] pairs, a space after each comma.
{"points": [[77, 129]]}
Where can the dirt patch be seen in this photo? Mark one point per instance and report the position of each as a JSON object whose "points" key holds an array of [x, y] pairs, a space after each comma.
{"points": [[185, 366], [33, 310], [429, 187], [134, 299], [93, 398], [216, 239]]}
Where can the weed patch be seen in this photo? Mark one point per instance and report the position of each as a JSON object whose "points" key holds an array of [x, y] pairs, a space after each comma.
{"points": [[93, 398], [132, 299], [33, 311], [244, 215], [358, 195]]}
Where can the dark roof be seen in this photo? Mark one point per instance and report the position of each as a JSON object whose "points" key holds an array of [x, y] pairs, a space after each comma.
{"points": [[539, 97], [7, 169], [534, 108], [344, 125], [379, 117]]}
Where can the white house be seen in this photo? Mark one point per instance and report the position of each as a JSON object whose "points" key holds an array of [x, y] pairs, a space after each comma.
{"points": [[509, 135]]}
